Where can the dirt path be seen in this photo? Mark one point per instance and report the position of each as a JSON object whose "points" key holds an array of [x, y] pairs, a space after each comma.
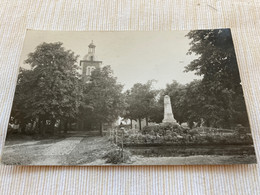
{"points": [[56, 153], [73, 150], [63, 147], [24, 153], [43, 152]]}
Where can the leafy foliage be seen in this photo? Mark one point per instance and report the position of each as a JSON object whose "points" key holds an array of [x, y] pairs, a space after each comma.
{"points": [[176, 135], [223, 103], [103, 100], [53, 90], [142, 103], [116, 156], [50, 90]]}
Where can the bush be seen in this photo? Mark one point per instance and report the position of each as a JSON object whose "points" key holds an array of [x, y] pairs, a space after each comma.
{"points": [[193, 132], [174, 134], [115, 156], [162, 129], [153, 129], [209, 139]]}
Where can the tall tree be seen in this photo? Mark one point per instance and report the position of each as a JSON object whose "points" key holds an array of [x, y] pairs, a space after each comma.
{"points": [[51, 89], [103, 97], [221, 81], [21, 109], [140, 100]]}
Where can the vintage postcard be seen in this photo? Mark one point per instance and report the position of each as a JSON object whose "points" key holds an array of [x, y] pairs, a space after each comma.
{"points": [[128, 98]]}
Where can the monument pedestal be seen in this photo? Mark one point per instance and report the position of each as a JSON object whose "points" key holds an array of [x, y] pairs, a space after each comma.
{"points": [[169, 119]]}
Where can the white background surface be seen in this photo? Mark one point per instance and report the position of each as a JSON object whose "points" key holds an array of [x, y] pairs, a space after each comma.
{"points": [[241, 16]]}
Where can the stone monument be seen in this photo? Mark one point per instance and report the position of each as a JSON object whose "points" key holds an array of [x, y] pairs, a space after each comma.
{"points": [[168, 115]]}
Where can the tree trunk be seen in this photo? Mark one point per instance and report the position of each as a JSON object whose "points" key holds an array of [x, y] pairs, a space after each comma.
{"points": [[66, 126], [101, 129], [44, 126], [207, 123], [146, 119], [52, 126], [40, 125], [23, 126], [79, 125], [82, 126], [37, 125], [60, 126], [32, 125], [70, 126], [131, 121], [140, 124]]}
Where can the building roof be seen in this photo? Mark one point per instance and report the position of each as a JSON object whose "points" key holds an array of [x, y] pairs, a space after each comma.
{"points": [[88, 57], [91, 56]]}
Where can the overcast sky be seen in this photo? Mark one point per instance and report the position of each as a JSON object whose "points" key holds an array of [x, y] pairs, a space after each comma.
{"points": [[133, 56]]}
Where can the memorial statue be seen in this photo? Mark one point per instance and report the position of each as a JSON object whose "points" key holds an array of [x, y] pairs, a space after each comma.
{"points": [[168, 115]]}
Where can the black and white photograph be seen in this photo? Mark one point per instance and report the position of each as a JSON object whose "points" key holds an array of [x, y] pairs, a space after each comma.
{"points": [[128, 98]]}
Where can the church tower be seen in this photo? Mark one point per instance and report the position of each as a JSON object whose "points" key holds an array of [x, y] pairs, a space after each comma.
{"points": [[89, 62]]}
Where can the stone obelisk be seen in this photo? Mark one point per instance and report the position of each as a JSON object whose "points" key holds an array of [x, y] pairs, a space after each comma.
{"points": [[168, 115]]}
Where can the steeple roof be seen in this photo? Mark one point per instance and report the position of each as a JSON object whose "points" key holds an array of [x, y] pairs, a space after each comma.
{"points": [[91, 45], [91, 56]]}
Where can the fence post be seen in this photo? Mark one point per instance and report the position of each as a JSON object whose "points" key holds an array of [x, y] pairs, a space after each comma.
{"points": [[122, 142], [116, 135]]}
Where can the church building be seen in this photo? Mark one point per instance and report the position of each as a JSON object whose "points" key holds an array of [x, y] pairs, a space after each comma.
{"points": [[89, 62]]}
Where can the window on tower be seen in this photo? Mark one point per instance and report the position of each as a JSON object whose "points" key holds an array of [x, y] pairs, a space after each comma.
{"points": [[89, 70]]}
